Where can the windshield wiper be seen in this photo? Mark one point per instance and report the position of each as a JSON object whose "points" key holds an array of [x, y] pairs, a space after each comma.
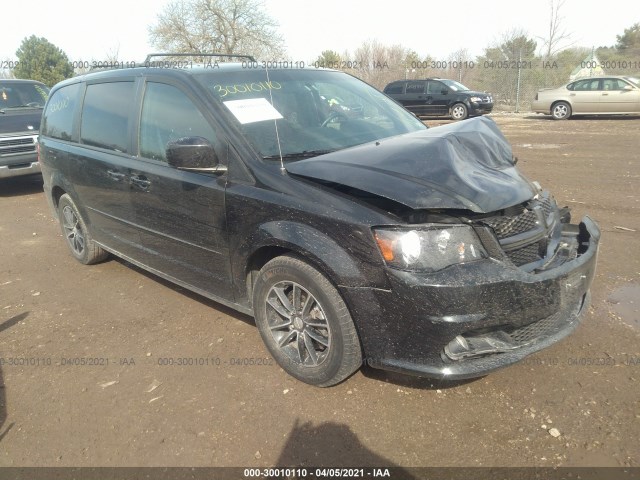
{"points": [[298, 155]]}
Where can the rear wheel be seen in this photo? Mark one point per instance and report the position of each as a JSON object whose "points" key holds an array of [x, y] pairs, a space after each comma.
{"points": [[459, 111], [304, 322], [561, 111], [75, 231]]}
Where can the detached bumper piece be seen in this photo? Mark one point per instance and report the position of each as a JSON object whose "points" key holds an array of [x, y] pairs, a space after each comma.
{"points": [[504, 339]]}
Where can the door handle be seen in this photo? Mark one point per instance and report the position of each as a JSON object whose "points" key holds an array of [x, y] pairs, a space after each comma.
{"points": [[605, 94], [140, 181], [113, 175]]}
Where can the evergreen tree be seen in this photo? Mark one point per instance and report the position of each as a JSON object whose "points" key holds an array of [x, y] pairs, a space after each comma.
{"points": [[41, 60]]}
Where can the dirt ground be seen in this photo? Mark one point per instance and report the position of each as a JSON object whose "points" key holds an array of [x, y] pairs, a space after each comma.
{"points": [[84, 379]]}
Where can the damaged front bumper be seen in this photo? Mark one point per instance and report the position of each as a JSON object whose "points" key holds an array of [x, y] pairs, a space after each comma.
{"points": [[468, 320]]}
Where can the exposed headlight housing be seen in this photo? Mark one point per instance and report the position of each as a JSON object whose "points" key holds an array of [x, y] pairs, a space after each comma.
{"points": [[430, 248]]}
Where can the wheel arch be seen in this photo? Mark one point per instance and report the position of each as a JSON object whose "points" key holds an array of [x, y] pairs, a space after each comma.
{"points": [[561, 100], [310, 245]]}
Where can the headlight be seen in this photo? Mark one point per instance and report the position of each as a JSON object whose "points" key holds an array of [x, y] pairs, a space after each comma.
{"points": [[429, 248], [476, 99]]}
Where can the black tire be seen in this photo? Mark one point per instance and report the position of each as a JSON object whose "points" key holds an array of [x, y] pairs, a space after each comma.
{"points": [[304, 322], [459, 111], [75, 232], [561, 111]]}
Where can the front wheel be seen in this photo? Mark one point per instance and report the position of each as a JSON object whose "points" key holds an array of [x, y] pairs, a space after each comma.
{"points": [[561, 111], [304, 322], [459, 111], [75, 231]]}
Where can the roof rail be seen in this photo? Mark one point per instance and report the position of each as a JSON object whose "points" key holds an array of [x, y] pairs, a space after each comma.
{"points": [[227, 55]]}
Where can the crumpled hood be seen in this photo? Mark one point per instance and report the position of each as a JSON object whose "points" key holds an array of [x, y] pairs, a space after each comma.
{"points": [[19, 120], [463, 165]]}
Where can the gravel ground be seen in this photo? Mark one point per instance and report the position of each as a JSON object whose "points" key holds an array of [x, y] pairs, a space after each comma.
{"points": [[83, 379]]}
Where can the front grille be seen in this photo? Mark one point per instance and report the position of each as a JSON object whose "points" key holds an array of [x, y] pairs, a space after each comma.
{"points": [[533, 222], [527, 254], [506, 227], [16, 141], [16, 145], [547, 206], [14, 150]]}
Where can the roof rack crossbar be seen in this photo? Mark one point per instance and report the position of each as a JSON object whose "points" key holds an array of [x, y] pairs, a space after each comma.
{"points": [[227, 55]]}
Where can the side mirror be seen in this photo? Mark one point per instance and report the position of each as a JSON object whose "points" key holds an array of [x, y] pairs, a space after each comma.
{"points": [[627, 87], [193, 154], [444, 91]]}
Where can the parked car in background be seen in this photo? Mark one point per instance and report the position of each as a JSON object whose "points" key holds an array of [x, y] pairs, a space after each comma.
{"points": [[439, 97], [21, 104], [310, 200], [609, 95]]}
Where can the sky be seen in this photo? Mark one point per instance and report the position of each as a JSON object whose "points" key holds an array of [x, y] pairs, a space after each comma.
{"points": [[95, 31]]}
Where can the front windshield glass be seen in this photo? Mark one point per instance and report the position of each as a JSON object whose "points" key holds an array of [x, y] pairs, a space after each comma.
{"points": [[315, 111], [634, 80], [22, 95], [455, 86]]}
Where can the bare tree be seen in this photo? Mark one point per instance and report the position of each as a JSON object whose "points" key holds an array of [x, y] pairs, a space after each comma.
{"points": [[113, 54], [556, 34], [379, 64], [217, 26], [459, 65]]}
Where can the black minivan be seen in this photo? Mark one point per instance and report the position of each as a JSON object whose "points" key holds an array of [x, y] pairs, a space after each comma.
{"points": [[310, 200], [439, 97]]}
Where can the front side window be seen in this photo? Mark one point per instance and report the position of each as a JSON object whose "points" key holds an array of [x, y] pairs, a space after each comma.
{"points": [[57, 121], [437, 88], [105, 115], [455, 86], [613, 84], [167, 115]]}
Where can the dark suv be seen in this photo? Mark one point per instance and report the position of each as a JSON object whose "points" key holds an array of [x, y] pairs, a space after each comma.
{"points": [[439, 97], [21, 103], [308, 199]]}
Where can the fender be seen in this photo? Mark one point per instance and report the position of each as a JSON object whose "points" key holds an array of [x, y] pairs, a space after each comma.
{"points": [[342, 269]]}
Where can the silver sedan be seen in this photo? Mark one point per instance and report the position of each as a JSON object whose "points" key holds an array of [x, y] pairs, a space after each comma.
{"points": [[609, 95]]}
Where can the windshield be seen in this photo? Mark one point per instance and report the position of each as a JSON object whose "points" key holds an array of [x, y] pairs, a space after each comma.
{"points": [[315, 111], [22, 95], [455, 86], [633, 80]]}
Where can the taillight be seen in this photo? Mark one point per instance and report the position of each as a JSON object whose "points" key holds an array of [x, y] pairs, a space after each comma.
{"points": [[38, 151]]}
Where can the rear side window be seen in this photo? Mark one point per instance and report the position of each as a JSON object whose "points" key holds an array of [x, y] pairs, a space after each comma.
{"points": [[415, 87], [586, 85], [57, 121], [105, 115], [167, 115]]}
